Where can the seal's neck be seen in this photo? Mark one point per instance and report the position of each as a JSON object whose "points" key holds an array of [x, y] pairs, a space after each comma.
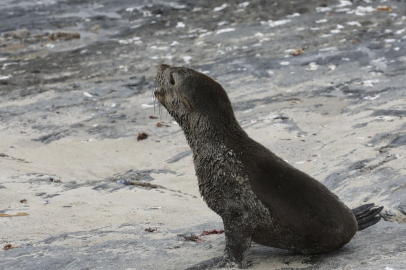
{"points": [[203, 132], [215, 157]]}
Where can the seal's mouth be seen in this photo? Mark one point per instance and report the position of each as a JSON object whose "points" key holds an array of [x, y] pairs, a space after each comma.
{"points": [[161, 84], [159, 92]]}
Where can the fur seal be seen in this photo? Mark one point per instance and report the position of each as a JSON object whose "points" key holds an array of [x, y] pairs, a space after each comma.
{"points": [[259, 196]]}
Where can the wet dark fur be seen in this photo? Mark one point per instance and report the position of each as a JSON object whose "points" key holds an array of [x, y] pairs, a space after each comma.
{"points": [[259, 196]]}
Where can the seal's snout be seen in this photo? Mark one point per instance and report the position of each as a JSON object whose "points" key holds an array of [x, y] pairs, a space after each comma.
{"points": [[161, 68], [160, 78], [164, 81], [159, 92]]}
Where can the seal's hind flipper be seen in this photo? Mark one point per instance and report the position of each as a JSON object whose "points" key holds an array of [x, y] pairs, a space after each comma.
{"points": [[369, 223], [366, 215], [372, 213], [362, 209]]}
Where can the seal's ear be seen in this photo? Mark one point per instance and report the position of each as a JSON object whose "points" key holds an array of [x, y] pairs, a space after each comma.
{"points": [[187, 103]]}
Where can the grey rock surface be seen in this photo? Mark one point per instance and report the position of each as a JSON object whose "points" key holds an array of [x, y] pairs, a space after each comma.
{"points": [[320, 83], [373, 248]]}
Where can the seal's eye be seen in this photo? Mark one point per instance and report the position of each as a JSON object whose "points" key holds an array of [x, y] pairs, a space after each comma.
{"points": [[172, 80]]}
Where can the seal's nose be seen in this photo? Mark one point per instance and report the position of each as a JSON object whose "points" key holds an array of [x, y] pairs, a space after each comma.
{"points": [[162, 67]]}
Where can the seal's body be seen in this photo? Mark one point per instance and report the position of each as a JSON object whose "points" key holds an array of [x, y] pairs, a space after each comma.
{"points": [[259, 196]]}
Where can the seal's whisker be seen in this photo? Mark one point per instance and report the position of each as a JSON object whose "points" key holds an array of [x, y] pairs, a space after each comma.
{"points": [[154, 105], [154, 98], [155, 88], [160, 110]]}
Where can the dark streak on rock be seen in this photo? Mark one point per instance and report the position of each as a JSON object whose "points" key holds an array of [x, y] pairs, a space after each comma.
{"points": [[52, 136], [179, 156], [389, 112]]}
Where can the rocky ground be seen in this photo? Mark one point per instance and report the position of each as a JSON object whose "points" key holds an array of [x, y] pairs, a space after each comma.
{"points": [[320, 83]]}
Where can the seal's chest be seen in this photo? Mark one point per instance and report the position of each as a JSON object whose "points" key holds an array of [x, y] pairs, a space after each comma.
{"points": [[222, 180]]}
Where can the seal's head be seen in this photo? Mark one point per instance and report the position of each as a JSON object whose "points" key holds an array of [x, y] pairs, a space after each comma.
{"points": [[186, 93]]}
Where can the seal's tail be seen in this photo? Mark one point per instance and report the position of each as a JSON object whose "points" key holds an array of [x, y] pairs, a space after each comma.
{"points": [[366, 215]]}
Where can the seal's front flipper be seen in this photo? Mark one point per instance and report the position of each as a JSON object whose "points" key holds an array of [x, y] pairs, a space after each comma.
{"points": [[366, 215], [215, 263], [208, 264]]}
